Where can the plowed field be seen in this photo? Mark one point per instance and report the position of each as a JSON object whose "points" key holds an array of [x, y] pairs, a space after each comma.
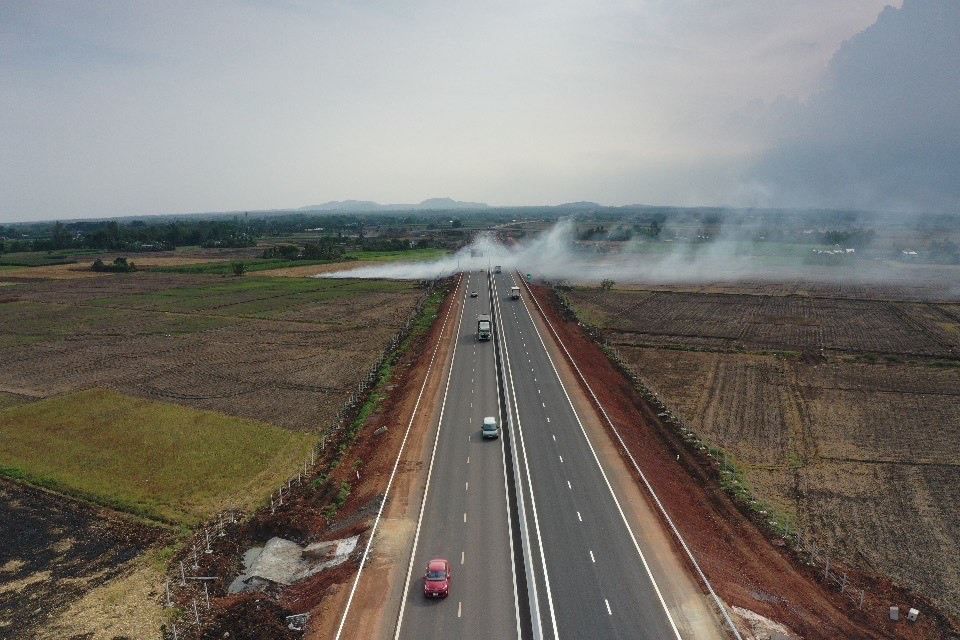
{"points": [[843, 413], [279, 350]]}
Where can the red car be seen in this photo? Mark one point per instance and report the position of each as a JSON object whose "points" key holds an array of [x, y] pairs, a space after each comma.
{"points": [[436, 581]]}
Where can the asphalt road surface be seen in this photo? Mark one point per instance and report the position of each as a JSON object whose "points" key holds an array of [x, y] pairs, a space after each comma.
{"points": [[538, 543], [465, 517], [591, 578]]}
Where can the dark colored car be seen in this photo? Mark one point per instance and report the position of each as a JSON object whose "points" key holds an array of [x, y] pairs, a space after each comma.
{"points": [[473, 294], [436, 581]]}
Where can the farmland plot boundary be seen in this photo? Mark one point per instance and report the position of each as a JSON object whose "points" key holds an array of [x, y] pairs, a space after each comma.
{"points": [[186, 591], [855, 591]]}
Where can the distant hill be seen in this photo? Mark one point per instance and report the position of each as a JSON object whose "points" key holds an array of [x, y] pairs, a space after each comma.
{"points": [[577, 206], [431, 204], [447, 203]]}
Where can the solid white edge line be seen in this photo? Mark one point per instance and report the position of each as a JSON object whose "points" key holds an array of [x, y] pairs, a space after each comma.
{"points": [[533, 501], [426, 489], [643, 476], [396, 464], [503, 456], [603, 473]]}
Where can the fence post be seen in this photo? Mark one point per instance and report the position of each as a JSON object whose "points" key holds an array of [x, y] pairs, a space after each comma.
{"points": [[861, 598], [826, 569]]}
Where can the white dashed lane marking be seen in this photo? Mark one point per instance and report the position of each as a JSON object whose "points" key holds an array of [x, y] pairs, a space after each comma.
{"points": [[607, 602], [579, 517], [591, 556]]}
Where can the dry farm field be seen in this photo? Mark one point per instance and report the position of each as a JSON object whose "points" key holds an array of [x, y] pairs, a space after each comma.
{"points": [[108, 381], [844, 414], [285, 351]]}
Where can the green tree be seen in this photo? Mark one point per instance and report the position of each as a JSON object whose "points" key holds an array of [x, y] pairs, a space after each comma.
{"points": [[238, 268], [607, 284]]}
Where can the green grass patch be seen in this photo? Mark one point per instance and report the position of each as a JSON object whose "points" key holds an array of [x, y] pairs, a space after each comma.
{"points": [[224, 268], [264, 264], [399, 256], [45, 258], [153, 459], [944, 364]]}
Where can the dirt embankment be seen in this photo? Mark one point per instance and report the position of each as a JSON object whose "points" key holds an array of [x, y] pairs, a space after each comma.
{"points": [[365, 466], [747, 566]]}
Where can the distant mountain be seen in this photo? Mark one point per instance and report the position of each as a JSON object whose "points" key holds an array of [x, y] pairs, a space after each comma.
{"points": [[447, 203], [431, 204], [577, 206], [343, 205]]}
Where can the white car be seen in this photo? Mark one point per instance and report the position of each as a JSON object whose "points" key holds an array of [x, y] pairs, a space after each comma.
{"points": [[490, 428]]}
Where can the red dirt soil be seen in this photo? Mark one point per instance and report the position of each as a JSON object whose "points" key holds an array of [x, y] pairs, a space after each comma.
{"points": [[747, 566]]}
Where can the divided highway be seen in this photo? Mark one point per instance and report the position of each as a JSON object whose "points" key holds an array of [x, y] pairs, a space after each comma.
{"points": [[465, 515], [539, 545]]}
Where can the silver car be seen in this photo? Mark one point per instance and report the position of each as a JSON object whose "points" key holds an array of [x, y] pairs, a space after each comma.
{"points": [[490, 428]]}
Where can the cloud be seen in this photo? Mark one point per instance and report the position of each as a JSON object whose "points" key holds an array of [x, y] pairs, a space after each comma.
{"points": [[173, 107], [883, 132]]}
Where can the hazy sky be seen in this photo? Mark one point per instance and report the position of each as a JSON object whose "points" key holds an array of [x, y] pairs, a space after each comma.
{"points": [[113, 108]]}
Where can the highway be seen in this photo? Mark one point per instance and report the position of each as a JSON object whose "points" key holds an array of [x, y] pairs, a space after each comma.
{"points": [[539, 544], [465, 516], [592, 580]]}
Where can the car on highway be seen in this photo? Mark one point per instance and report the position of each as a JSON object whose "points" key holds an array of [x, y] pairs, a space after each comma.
{"points": [[473, 294], [490, 428], [436, 581]]}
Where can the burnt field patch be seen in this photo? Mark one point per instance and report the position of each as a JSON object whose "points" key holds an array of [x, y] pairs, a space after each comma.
{"points": [[55, 550]]}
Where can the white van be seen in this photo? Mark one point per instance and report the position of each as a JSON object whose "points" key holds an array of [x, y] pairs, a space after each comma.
{"points": [[490, 428]]}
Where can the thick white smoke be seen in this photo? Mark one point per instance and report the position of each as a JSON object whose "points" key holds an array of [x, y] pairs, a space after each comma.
{"points": [[555, 255], [550, 250]]}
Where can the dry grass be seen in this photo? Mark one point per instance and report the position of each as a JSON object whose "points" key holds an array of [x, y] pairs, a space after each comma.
{"points": [[155, 459], [127, 606], [81, 270], [54, 272]]}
